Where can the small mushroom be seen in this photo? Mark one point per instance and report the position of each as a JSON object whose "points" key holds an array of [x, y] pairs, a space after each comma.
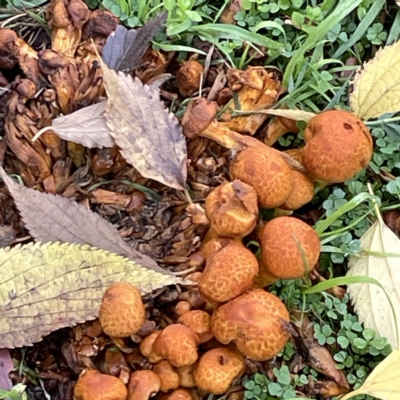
{"points": [[186, 379], [228, 273], [338, 145], [122, 312], [199, 322], [255, 322], [302, 191], [143, 385], [217, 368], [146, 348], [268, 173], [168, 375], [93, 385], [232, 209], [290, 248], [179, 394], [188, 77], [177, 344]]}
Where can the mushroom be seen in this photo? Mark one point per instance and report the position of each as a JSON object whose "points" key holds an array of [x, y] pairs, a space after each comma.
{"points": [[199, 322], [217, 368], [179, 394], [146, 347], [277, 127], [228, 273], [186, 376], [188, 77], [255, 322], [93, 385], [213, 244], [290, 248], [338, 145], [232, 209], [302, 191], [168, 375], [268, 173], [177, 344], [122, 311], [143, 385]]}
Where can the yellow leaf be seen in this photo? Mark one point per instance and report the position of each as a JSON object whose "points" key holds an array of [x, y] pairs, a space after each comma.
{"points": [[44, 287], [384, 380], [377, 85], [379, 260]]}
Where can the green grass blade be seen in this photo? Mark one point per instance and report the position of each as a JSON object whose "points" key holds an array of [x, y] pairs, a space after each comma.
{"points": [[233, 32], [362, 27], [176, 47], [344, 8], [322, 225], [394, 33]]}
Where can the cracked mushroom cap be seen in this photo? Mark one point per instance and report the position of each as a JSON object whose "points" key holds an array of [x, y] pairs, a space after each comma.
{"points": [[143, 385], [93, 385], [255, 322], [177, 344], [268, 173], [286, 242], [168, 375], [122, 312], [179, 394], [199, 322], [217, 369], [232, 209], [146, 348], [338, 145], [302, 192], [228, 273]]}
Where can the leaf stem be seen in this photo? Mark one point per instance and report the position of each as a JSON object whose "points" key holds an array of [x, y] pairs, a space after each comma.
{"points": [[382, 121]]}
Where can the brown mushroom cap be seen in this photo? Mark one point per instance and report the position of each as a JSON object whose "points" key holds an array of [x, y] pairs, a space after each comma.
{"points": [[143, 385], [232, 209], [93, 385], [228, 273], [186, 376], [302, 192], [199, 322], [213, 244], [178, 344], [338, 145], [122, 311], [179, 394], [216, 370], [255, 322], [268, 173], [189, 77], [168, 375], [146, 347], [286, 243]]}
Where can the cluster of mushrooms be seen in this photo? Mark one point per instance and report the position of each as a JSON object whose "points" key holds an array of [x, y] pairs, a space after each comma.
{"points": [[232, 317]]}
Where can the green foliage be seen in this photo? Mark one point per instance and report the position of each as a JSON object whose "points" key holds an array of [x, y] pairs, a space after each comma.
{"points": [[16, 393]]}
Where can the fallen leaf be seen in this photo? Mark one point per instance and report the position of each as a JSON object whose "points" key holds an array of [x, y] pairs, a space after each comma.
{"points": [[296, 115], [370, 301], [7, 235], [377, 84], [124, 48], [53, 218], [6, 366], [49, 286], [150, 138], [86, 126], [384, 380]]}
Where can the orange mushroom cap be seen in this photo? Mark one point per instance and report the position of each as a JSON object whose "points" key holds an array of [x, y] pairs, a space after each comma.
{"points": [[232, 209], [255, 322], [122, 311], [228, 273], [338, 145], [199, 322], [217, 368], [146, 347], [177, 344], [143, 385], [93, 385], [168, 375], [286, 244], [268, 173]]}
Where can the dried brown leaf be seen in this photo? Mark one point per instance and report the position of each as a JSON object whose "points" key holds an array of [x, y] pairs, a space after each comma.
{"points": [[149, 137], [86, 126], [49, 286], [124, 48], [52, 218]]}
